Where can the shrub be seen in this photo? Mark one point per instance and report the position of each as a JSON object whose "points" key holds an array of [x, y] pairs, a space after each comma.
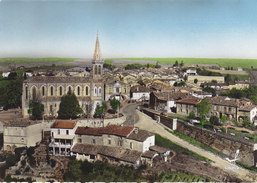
{"points": [[192, 115], [214, 120]]}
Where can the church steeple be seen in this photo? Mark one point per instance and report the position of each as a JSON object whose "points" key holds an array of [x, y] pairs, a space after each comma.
{"points": [[97, 52], [97, 60]]}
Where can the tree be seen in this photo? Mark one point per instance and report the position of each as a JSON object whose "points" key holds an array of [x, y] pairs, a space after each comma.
{"points": [[181, 63], [12, 75], [192, 115], [99, 110], [185, 78], [175, 84], [115, 104], [195, 80], [223, 118], [214, 120], [176, 63], [69, 107], [203, 108], [36, 109]]}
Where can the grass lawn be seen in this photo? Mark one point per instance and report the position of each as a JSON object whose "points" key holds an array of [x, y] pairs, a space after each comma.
{"points": [[222, 62], [164, 142], [21, 60], [195, 142]]}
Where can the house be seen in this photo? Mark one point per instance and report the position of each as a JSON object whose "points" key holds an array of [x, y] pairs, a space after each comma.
{"points": [[117, 145], [165, 101], [186, 105], [233, 109], [62, 137], [117, 89], [5, 74], [190, 72], [139, 93], [24, 133]]}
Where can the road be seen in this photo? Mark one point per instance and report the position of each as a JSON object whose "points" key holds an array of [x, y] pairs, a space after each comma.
{"points": [[147, 123], [130, 111]]}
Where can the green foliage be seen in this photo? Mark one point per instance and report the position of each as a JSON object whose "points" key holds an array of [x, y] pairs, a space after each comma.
{"points": [[99, 110], [192, 115], [196, 142], [163, 142], [36, 109], [203, 108], [247, 124], [109, 66], [69, 107], [195, 81], [214, 120], [115, 104], [223, 118], [176, 63], [179, 117], [10, 94], [180, 177], [252, 168], [134, 66], [99, 172], [209, 90], [30, 151], [181, 83], [12, 76], [207, 73]]}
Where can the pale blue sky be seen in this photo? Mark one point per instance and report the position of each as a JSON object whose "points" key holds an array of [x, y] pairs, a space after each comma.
{"points": [[129, 28]]}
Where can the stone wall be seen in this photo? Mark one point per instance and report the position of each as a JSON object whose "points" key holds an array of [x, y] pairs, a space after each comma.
{"points": [[221, 142]]}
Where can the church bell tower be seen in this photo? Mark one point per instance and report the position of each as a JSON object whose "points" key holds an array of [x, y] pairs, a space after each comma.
{"points": [[97, 61]]}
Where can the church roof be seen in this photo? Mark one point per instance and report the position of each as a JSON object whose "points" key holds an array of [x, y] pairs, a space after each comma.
{"points": [[53, 79], [97, 53]]}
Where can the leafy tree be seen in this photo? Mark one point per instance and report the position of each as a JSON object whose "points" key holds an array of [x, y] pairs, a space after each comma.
{"points": [[192, 115], [203, 108], [69, 107], [181, 83], [214, 81], [175, 84], [236, 93], [115, 104], [195, 80], [228, 78], [181, 63], [176, 63], [12, 75], [223, 118], [210, 90], [214, 120], [109, 66], [99, 110], [36, 109]]}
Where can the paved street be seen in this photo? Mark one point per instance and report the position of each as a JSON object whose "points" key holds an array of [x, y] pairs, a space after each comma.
{"points": [[130, 112], [147, 123]]}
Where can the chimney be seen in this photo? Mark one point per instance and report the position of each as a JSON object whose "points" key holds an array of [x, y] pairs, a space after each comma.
{"points": [[136, 130]]}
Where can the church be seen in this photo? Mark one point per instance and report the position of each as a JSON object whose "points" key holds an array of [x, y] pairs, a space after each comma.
{"points": [[90, 90]]}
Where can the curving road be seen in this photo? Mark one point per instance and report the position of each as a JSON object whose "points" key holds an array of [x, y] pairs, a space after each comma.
{"points": [[131, 115], [147, 123]]}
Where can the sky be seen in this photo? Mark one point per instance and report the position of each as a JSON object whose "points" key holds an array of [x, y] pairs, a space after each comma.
{"points": [[129, 28]]}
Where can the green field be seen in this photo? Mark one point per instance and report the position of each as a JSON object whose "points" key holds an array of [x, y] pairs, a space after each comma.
{"points": [[222, 62], [22, 60]]}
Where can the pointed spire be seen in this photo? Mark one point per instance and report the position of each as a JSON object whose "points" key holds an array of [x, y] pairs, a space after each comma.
{"points": [[97, 53]]}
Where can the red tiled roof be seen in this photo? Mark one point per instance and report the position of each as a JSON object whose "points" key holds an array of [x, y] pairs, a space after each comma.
{"points": [[189, 101], [88, 131], [64, 124], [123, 131]]}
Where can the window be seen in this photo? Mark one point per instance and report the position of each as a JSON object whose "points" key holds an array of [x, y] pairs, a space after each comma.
{"points": [[60, 91], [131, 145], [69, 89], [120, 143], [95, 69], [59, 132], [67, 132], [99, 91], [117, 90], [52, 134], [34, 94], [51, 108], [26, 92], [22, 139], [80, 140], [125, 90], [99, 69], [43, 91], [78, 91], [52, 91], [109, 142], [93, 141], [95, 91], [86, 90]]}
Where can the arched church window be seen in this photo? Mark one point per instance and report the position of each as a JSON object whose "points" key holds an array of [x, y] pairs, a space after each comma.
{"points": [[86, 90], [69, 89], [26, 92], [52, 90], [43, 91], [95, 91], [99, 69], [95, 69], [60, 91], [78, 90], [34, 93], [99, 91]]}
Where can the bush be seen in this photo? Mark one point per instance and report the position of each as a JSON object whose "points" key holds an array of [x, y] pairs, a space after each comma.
{"points": [[192, 115], [214, 120], [195, 80]]}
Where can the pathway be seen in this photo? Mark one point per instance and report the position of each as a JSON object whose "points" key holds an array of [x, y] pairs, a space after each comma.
{"points": [[131, 115], [147, 123]]}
